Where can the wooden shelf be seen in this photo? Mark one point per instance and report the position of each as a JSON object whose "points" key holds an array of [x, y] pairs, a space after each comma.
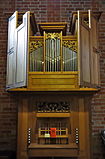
{"points": [[53, 26], [39, 150], [41, 146], [68, 90], [50, 115]]}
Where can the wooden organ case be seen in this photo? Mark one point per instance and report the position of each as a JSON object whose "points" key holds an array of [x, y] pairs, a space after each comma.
{"points": [[57, 75]]}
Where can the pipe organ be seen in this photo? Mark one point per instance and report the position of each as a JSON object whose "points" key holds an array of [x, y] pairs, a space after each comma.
{"points": [[57, 73], [60, 53]]}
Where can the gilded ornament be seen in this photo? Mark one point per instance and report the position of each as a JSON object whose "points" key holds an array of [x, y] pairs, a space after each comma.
{"points": [[53, 35], [35, 45], [86, 22], [71, 44]]}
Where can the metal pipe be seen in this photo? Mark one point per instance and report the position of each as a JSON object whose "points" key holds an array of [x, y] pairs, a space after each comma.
{"points": [[52, 54], [63, 56], [49, 54], [46, 58], [59, 56], [31, 61]]}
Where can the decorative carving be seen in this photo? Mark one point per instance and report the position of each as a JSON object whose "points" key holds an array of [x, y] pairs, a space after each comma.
{"points": [[86, 22], [71, 44], [53, 107], [53, 36], [35, 45]]}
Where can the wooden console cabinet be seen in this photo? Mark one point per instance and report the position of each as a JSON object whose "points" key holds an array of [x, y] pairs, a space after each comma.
{"points": [[72, 138]]}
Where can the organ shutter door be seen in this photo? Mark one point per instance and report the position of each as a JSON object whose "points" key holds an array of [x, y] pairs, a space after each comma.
{"points": [[22, 34], [11, 52], [94, 53], [17, 51], [83, 53]]}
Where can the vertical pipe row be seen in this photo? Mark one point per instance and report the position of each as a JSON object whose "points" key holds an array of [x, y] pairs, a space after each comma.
{"points": [[69, 59], [55, 57]]}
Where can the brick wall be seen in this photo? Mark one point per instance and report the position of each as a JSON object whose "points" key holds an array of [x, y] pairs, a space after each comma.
{"points": [[48, 10], [7, 101], [98, 103]]}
